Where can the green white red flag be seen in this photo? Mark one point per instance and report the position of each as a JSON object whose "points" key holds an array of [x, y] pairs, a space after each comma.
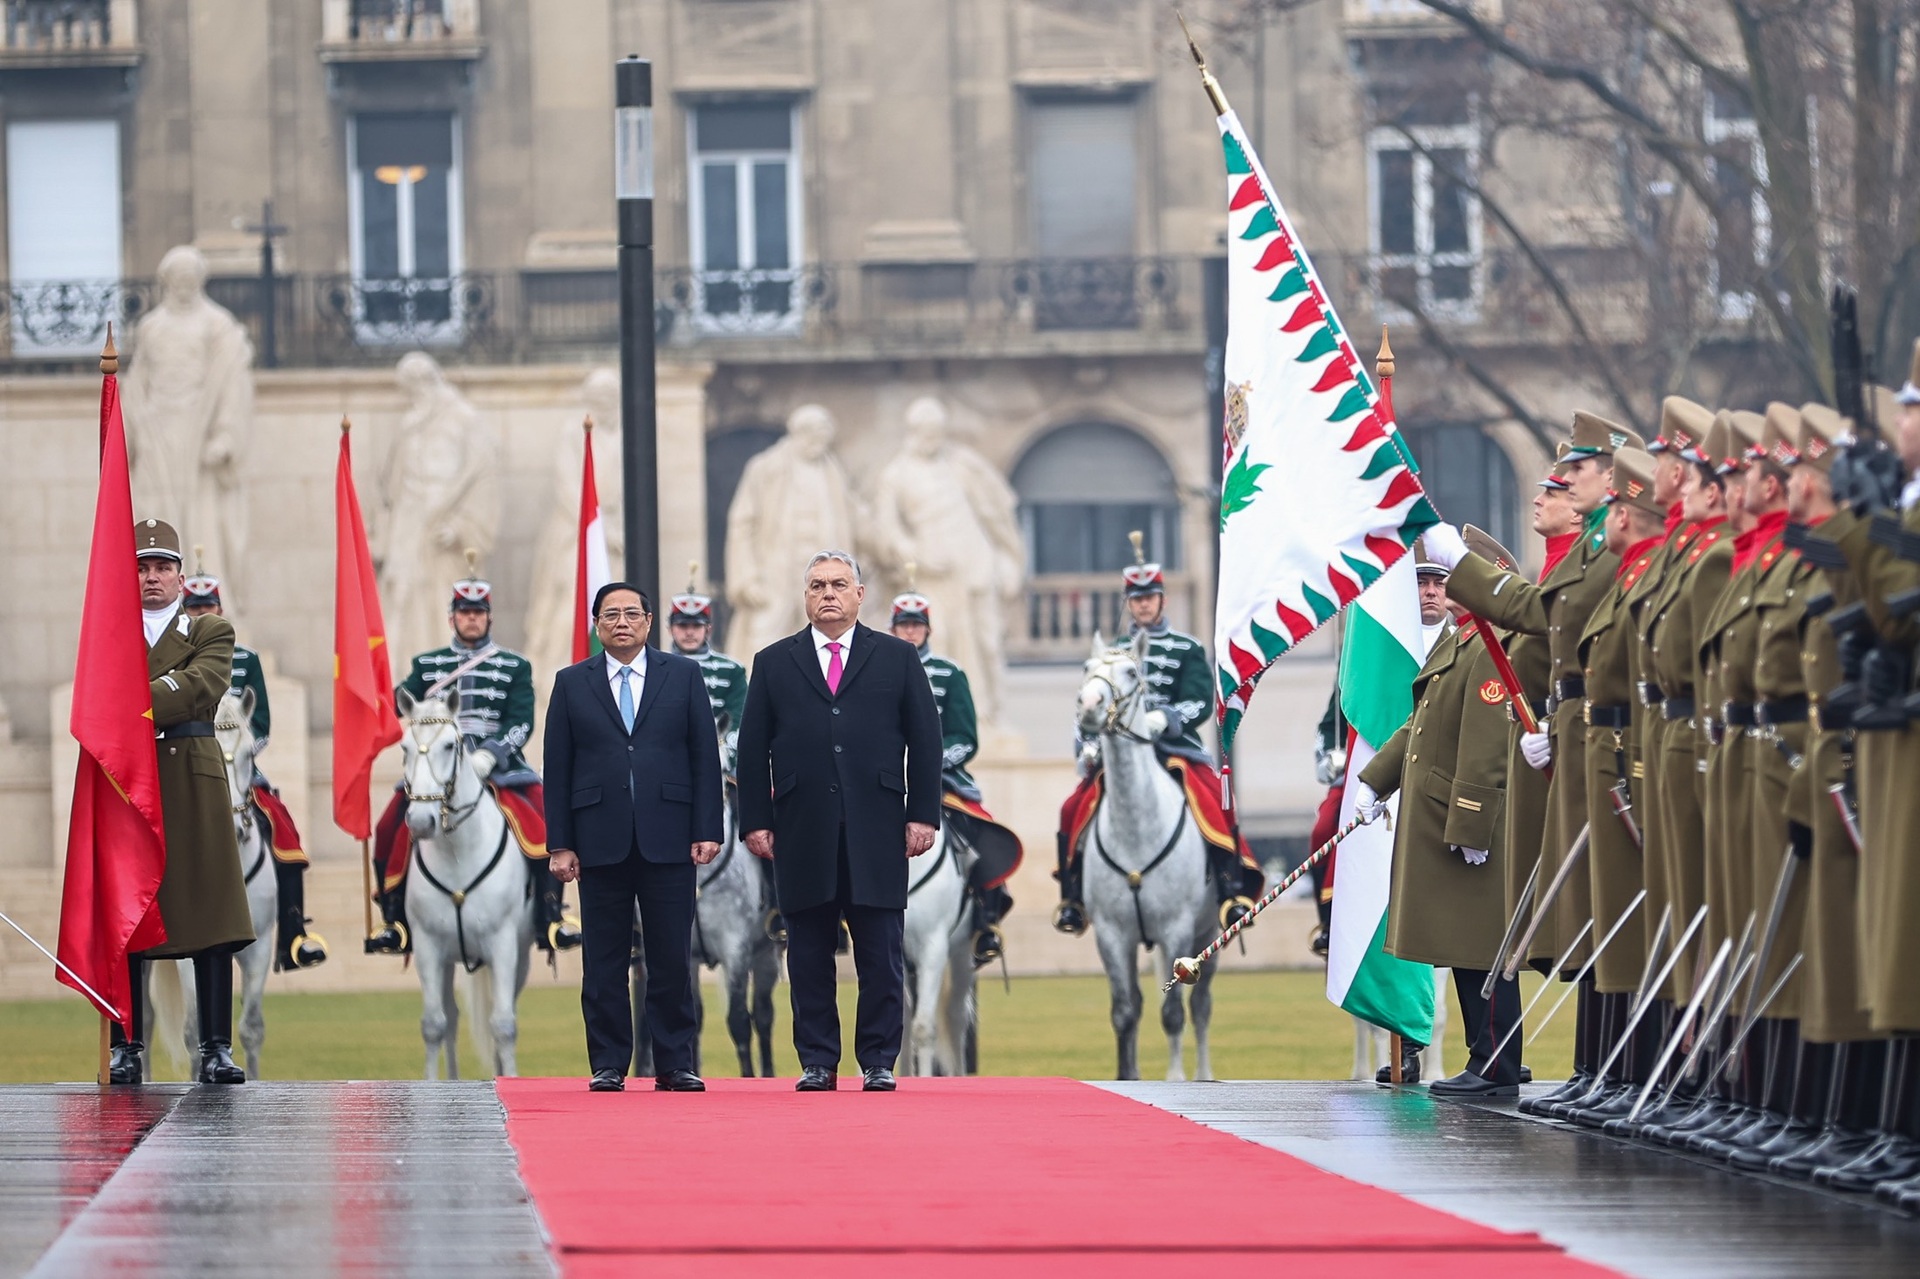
{"points": [[1320, 505], [591, 567]]}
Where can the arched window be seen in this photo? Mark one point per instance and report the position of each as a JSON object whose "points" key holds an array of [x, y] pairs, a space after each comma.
{"points": [[1470, 479], [1082, 488]]}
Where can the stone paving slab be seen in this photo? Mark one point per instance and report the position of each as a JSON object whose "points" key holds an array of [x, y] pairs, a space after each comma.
{"points": [[1648, 1213]]}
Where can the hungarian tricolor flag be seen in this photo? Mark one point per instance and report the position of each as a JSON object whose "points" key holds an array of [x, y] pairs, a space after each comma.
{"points": [[364, 722], [1320, 504], [591, 568], [116, 842]]}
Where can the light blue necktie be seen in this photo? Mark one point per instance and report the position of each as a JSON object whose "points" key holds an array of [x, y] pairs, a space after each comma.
{"points": [[626, 697]]}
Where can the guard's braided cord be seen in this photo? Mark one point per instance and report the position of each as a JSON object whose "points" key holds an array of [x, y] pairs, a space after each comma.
{"points": [[1188, 970]]}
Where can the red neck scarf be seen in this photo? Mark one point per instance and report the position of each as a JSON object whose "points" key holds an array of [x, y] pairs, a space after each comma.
{"points": [[1748, 545], [1676, 516], [1557, 548], [1631, 561]]}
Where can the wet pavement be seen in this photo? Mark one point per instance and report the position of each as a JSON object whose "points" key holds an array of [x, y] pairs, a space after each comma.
{"points": [[284, 1179], [1645, 1213]]}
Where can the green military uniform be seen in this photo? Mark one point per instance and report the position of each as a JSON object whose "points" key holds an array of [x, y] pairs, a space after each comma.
{"points": [[1179, 680], [247, 674], [959, 729], [726, 682], [496, 700]]}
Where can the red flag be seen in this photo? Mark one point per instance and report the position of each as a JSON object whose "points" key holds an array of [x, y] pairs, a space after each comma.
{"points": [[363, 717], [116, 841], [591, 567]]}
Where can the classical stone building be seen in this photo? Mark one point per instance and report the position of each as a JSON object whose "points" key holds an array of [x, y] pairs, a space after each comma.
{"points": [[1010, 204]]}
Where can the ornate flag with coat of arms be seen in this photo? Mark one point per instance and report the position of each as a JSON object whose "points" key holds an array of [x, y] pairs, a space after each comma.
{"points": [[1320, 505]]}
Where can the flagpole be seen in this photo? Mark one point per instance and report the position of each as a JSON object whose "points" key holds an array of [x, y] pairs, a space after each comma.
{"points": [[366, 886]]}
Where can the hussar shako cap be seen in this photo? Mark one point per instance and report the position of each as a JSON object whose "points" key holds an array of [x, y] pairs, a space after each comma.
{"points": [[1595, 436], [1482, 543], [1822, 432], [1782, 424], [1633, 481], [1424, 566], [1683, 425], [691, 607], [912, 606], [1140, 577], [201, 589], [156, 539], [1910, 393], [1747, 429]]}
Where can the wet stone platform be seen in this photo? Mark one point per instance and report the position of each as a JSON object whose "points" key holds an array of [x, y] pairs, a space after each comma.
{"points": [[269, 1178], [1647, 1213]]}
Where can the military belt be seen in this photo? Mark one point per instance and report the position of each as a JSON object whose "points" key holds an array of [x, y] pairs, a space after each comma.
{"points": [[1650, 693], [1607, 716], [1737, 715], [1677, 708], [1542, 708], [192, 728], [1826, 719], [1716, 731], [1784, 710], [1569, 688]]}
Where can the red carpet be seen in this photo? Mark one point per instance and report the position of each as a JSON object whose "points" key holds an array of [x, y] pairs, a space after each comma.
{"points": [[946, 1177]]}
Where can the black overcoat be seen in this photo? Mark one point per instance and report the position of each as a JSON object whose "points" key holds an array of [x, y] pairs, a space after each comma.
{"points": [[810, 761]]}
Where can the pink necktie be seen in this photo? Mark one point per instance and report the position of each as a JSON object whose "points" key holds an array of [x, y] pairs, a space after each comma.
{"points": [[833, 667]]}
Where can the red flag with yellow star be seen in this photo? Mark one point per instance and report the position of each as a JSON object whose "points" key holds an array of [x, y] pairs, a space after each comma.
{"points": [[116, 841], [364, 723]]}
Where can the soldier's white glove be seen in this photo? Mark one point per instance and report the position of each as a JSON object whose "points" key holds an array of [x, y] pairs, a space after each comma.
{"points": [[1367, 805], [1537, 750], [1444, 546], [1474, 856], [1156, 722], [484, 763]]}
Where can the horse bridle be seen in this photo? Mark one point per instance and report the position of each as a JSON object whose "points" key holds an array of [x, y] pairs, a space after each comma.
{"points": [[1113, 727], [451, 815], [1121, 706], [244, 809]]}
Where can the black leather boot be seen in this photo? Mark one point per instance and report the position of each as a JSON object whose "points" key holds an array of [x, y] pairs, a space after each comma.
{"points": [[392, 937], [1806, 1105], [554, 929], [296, 946], [1070, 916], [213, 986], [1409, 1065], [1891, 1156], [127, 1065]]}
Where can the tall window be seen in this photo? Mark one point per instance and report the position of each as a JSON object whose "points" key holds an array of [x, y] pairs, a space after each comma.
{"points": [[1083, 488], [744, 201], [404, 197], [1742, 227], [1469, 477], [63, 234], [1081, 186], [1424, 221]]}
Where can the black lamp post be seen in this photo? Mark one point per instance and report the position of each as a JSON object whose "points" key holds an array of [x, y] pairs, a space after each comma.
{"points": [[639, 443]]}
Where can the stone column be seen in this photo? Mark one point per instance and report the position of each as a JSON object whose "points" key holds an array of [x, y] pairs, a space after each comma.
{"points": [[910, 129], [571, 71], [682, 413], [232, 131]]}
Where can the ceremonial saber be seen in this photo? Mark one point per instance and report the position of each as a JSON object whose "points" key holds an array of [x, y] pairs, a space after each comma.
{"points": [[1775, 912], [1541, 994], [1587, 967], [1639, 1014], [1680, 1029], [1721, 1003], [1187, 971], [92, 994], [1653, 957], [1513, 927], [1546, 902], [1766, 1001]]}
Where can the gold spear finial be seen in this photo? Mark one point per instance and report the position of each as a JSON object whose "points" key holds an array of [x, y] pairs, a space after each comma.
{"points": [[345, 425], [109, 354], [1139, 541], [1207, 82], [587, 425], [1383, 362]]}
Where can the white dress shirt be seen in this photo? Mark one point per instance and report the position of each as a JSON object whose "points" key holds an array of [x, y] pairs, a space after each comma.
{"points": [[820, 642], [638, 678], [154, 621]]}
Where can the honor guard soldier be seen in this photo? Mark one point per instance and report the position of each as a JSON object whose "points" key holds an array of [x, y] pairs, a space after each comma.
{"points": [[691, 621], [1448, 902], [496, 719], [202, 898], [968, 823], [1557, 608], [295, 946], [1179, 694]]}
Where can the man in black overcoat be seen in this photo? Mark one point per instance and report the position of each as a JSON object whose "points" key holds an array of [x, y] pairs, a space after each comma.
{"points": [[839, 785]]}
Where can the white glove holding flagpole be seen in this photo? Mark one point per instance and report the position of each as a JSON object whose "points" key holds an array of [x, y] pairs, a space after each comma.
{"points": [[1537, 750], [1366, 804], [1444, 546]]}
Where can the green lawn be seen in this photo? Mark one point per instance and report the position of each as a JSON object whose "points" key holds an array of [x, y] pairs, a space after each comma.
{"points": [[1266, 1025]]}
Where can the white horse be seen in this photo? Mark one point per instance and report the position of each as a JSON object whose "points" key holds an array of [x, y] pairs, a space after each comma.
{"points": [[1144, 867], [730, 930], [939, 952], [467, 899], [173, 991]]}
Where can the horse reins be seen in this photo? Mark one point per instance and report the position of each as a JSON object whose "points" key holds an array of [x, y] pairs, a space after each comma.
{"points": [[459, 897], [451, 815], [1135, 878]]}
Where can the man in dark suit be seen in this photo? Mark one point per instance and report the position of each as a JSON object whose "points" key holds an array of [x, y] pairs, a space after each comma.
{"points": [[633, 804], [839, 785]]}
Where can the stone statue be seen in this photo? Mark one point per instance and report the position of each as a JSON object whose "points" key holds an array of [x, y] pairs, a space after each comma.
{"points": [[440, 496], [550, 610], [189, 415], [793, 500], [942, 508]]}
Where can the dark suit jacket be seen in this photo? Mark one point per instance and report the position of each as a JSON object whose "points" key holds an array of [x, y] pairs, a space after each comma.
{"points": [[659, 786], [810, 761]]}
